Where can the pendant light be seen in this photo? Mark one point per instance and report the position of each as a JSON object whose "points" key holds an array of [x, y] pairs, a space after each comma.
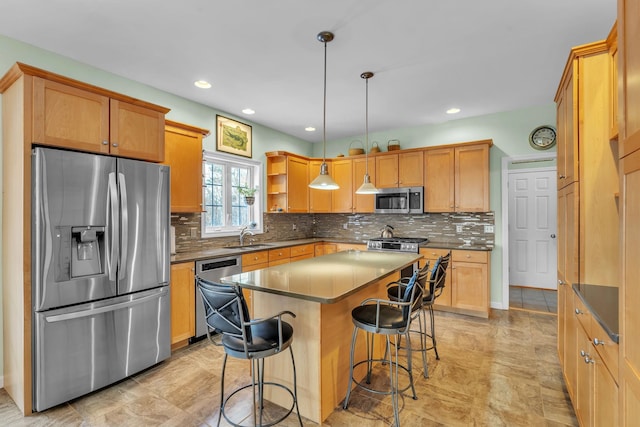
{"points": [[324, 181], [367, 187]]}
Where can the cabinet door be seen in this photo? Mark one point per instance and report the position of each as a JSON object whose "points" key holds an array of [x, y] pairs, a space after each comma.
{"points": [[342, 199], [584, 388], [470, 286], [570, 362], [319, 200], [629, 69], [297, 185], [183, 299], [65, 116], [567, 122], [432, 255], [325, 249], [472, 178], [387, 171], [363, 202], [439, 180], [630, 291], [136, 132], [410, 169], [605, 394], [183, 153]]}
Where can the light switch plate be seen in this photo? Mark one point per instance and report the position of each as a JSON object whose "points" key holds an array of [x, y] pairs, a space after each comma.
{"points": [[458, 229], [488, 229]]}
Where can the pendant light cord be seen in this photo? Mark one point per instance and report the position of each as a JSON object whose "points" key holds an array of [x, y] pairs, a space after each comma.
{"points": [[324, 108], [366, 128]]}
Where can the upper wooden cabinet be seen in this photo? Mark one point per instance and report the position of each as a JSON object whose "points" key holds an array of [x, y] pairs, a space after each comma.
{"points": [[183, 153], [319, 200], [567, 117], [342, 173], [628, 72], [363, 203], [612, 45], [399, 170], [456, 178], [287, 182], [71, 114]]}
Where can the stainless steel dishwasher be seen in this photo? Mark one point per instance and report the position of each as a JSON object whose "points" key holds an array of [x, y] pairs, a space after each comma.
{"points": [[212, 270]]}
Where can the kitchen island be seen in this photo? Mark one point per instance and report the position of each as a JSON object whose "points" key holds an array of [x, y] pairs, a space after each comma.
{"points": [[321, 291]]}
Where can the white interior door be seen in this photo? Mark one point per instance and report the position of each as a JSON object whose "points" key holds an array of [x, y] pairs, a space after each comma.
{"points": [[532, 228]]}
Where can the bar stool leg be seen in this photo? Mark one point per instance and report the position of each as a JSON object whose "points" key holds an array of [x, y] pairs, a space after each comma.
{"points": [[224, 367], [433, 332], [295, 386], [353, 344]]}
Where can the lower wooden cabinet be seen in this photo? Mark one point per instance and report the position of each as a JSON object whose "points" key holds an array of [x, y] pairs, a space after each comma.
{"points": [[346, 246], [466, 288], [183, 304], [325, 249], [590, 370], [432, 255]]}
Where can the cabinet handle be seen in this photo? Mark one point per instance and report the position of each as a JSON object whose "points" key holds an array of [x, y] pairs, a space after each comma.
{"points": [[587, 359], [596, 341], [560, 282], [578, 311], [115, 144], [583, 353], [105, 142], [561, 177]]}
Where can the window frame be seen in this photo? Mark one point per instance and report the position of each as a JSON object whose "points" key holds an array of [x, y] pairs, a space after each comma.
{"points": [[255, 209]]}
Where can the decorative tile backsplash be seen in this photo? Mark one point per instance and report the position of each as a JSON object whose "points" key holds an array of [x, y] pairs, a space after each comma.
{"points": [[450, 228]]}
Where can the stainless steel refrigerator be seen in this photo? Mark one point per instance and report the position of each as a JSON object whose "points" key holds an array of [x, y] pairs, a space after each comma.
{"points": [[100, 271]]}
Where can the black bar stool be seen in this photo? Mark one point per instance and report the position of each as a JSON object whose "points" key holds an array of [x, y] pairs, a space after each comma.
{"points": [[226, 314], [388, 318], [433, 284]]}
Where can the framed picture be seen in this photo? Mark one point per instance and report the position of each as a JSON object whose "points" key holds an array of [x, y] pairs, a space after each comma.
{"points": [[233, 137]]}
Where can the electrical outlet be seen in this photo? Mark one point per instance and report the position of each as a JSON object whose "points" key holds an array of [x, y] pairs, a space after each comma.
{"points": [[345, 225], [458, 229], [294, 227], [194, 232], [488, 229]]}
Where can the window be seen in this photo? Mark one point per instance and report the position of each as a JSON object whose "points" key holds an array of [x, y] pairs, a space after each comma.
{"points": [[226, 210]]}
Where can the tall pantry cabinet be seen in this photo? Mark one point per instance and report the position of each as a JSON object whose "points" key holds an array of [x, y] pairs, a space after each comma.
{"points": [[588, 213], [629, 136]]}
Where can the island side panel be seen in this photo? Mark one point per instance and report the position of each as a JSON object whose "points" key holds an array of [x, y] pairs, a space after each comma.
{"points": [[306, 350], [336, 335]]}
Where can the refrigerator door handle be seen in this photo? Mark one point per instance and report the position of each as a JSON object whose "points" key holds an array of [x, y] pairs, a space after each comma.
{"points": [[124, 230], [105, 308], [115, 220]]}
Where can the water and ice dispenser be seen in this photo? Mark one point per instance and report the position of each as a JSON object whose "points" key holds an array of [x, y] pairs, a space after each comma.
{"points": [[81, 252]]}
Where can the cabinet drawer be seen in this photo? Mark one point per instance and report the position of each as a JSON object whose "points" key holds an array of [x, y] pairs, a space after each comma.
{"points": [[433, 254], [261, 257], [607, 349], [582, 314], [279, 254], [302, 250], [470, 256], [301, 257]]}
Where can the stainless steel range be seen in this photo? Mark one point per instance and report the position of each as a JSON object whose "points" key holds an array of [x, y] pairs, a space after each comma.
{"points": [[396, 244]]}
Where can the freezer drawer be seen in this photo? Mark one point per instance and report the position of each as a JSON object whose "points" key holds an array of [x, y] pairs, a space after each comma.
{"points": [[85, 347]]}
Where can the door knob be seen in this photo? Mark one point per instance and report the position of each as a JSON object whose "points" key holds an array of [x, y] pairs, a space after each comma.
{"points": [[553, 236]]}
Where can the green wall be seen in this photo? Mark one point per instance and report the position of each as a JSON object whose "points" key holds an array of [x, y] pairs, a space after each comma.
{"points": [[509, 130]]}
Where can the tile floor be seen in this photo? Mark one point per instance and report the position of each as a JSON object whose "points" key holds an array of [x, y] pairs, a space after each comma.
{"points": [[542, 300], [501, 371]]}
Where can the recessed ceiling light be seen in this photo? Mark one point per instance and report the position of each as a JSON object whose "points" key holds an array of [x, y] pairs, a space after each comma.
{"points": [[248, 111], [453, 110], [202, 84], [310, 129]]}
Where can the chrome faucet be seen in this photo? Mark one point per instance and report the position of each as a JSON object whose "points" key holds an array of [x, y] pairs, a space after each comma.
{"points": [[243, 233]]}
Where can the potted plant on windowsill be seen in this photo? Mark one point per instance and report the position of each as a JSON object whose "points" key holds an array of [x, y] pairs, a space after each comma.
{"points": [[249, 194]]}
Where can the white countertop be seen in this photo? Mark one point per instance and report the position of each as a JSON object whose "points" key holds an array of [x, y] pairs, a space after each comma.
{"points": [[325, 279]]}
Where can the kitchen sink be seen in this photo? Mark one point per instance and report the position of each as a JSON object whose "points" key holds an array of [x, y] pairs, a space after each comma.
{"points": [[250, 246]]}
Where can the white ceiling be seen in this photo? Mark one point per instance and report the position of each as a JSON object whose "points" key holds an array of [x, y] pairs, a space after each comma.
{"points": [[427, 55]]}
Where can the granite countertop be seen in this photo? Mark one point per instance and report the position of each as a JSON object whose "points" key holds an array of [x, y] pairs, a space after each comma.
{"points": [[602, 302], [325, 279], [263, 246], [464, 247]]}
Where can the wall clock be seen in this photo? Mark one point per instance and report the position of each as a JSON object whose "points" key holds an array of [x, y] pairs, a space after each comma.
{"points": [[543, 137]]}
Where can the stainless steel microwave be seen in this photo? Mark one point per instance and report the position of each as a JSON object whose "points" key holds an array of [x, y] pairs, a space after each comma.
{"points": [[405, 200]]}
